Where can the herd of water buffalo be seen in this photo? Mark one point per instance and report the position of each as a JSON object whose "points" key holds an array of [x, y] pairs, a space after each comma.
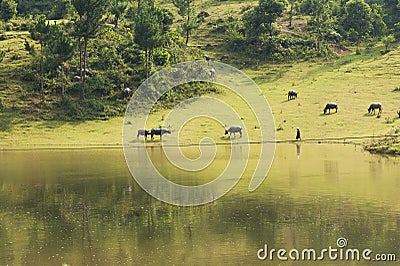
{"points": [[162, 131], [292, 94]]}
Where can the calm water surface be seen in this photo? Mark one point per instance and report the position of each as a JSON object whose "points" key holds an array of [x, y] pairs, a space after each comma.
{"points": [[83, 207]]}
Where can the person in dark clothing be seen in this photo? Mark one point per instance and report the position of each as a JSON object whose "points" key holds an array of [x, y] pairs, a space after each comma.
{"points": [[298, 137]]}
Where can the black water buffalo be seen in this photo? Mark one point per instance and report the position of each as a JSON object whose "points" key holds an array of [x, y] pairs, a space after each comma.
{"points": [[330, 106], [85, 72], [159, 132], [374, 106], [292, 94], [398, 112], [143, 132], [234, 130], [127, 92]]}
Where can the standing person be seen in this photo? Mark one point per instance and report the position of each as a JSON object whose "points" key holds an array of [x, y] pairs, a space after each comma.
{"points": [[298, 136]]}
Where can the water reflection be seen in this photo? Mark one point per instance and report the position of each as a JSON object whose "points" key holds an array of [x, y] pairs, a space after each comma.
{"points": [[66, 207], [298, 150]]}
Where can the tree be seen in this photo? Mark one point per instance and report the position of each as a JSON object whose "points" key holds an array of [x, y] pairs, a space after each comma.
{"points": [[8, 9], [378, 25], [358, 17], [144, 3], [39, 32], [387, 41], [61, 49], [391, 11], [90, 16], [186, 10], [151, 26], [292, 4], [259, 21], [321, 21], [61, 9], [118, 8]]}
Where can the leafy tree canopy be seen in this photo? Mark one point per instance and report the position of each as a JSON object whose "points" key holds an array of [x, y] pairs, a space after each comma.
{"points": [[8, 9]]}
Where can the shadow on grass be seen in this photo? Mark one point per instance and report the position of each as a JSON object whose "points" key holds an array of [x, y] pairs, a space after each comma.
{"points": [[327, 114], [368, 115], [286, 101], [53, 124], [271, 76], [225, 138], [135, 140]]}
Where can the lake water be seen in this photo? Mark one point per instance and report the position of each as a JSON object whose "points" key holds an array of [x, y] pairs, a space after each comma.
{"points": [[83, 207]]}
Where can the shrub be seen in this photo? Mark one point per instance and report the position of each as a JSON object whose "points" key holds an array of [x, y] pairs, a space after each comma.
{"points": [[2, 54], [15, 57], [69, 109], [389, 120]]}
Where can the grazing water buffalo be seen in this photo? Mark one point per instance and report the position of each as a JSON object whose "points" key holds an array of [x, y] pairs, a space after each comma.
{"points": [[127, 92], [330, 106], [374, 106], [292, 94], [85, 72], [234, 130], [212, 73], [159, 132], [143, 132]]}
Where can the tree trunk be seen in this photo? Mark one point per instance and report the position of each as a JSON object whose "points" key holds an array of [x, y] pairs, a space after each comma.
{"points": [[187, 29], [62, 81], [81, 68], [147, 63], [80, 57], [270, 29], [291, 14], [116, 21], [116, 15], [41, 72], [319, 37], [85, 41]]}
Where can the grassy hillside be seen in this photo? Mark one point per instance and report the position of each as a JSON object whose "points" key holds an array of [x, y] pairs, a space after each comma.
{"points": [[352, 80]]}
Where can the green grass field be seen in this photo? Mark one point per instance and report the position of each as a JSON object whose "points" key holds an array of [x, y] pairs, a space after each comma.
{"points": [[353, 82]]}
